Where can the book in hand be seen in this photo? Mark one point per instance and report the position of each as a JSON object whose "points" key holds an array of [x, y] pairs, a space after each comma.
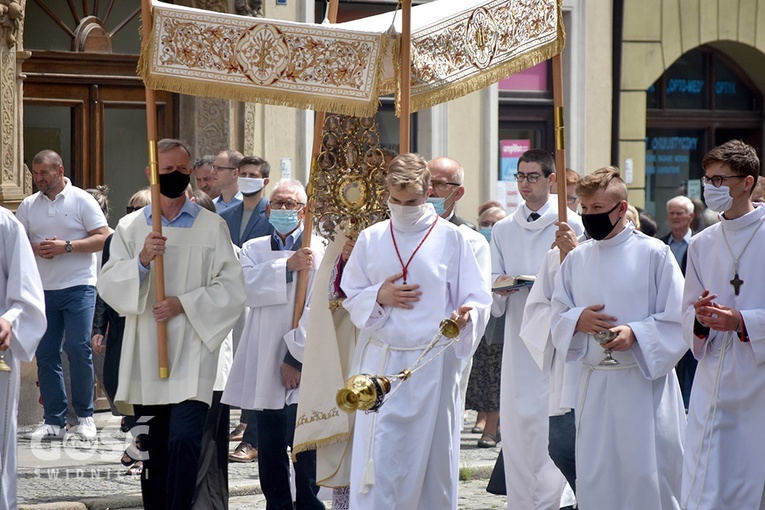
{"points": [[518, 282]]}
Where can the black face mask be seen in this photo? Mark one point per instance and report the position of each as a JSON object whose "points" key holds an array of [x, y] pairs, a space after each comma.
{"points": [[599, 225], [173, 184]]}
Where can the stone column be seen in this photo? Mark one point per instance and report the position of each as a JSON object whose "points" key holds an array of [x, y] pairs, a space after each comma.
{"points": [[16, 182]]}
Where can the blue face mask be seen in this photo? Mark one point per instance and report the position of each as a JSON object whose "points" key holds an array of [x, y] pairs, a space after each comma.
{"points": [[439, 203], [486, 231], [284, 220]]}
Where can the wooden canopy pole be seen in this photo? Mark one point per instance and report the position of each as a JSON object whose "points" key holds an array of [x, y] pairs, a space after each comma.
{"points": [[156, 209], [405, 76], [560, 143], [318, 131]]}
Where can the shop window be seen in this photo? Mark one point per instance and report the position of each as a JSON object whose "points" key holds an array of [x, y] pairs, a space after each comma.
{"points": [[703, 100]]}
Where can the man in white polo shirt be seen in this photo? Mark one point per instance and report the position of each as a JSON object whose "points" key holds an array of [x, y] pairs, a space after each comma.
{"points": [[66, 227]]}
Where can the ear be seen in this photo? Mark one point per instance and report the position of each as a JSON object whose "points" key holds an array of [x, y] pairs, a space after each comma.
{"points": [[301, 213], [148, 174], [266, 181], [553, 178], [429, 192], [268, 210], [749, 183]]}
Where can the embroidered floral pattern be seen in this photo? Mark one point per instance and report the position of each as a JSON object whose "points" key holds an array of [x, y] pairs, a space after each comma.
{"points": [[491, 34], [193, 47]]}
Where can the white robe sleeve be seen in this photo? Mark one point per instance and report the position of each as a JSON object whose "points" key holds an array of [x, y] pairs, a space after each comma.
{"points": [[119, 282], [693, 289], [470, 290], [361, 291], [536, 324], [24, 297], [660, 344], [295, 338], [265, 279], [499, 303], [570, 342]]}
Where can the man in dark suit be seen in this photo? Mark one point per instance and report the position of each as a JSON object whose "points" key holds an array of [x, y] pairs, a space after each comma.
{"points": [[446, 176], [248, 220], [680, 214]]}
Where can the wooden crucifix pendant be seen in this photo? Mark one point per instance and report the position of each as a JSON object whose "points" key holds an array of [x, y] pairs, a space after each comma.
{"points": [[737, 283]]}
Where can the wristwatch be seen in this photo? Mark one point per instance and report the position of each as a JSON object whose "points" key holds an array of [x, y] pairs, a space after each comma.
{"points": [[69, 247]]}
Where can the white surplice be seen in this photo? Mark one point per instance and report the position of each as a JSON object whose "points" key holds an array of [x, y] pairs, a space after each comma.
{"points": [[406, 456], [22, 304], [518, 247], [255, 381], [630, 417], [535, 333], [729, 473], [203, 272]]}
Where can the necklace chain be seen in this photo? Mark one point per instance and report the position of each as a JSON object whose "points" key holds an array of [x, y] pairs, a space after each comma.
{"points": [[736, 281]]}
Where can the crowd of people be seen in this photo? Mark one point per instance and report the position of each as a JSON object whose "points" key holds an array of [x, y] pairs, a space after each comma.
{"points": [[621, 368]]}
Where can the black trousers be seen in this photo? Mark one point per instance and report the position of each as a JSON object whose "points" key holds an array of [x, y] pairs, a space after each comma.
{"points": [[276, 429], [173, 441]]}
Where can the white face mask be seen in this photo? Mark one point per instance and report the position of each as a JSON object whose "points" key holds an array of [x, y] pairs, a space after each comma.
{"points": [[406, 214], [718, 199], [250, 185]]}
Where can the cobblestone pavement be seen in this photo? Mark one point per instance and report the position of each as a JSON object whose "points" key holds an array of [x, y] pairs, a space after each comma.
{"points": [[90, 476]]}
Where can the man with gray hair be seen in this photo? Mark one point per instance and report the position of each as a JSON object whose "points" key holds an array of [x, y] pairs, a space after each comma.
{"points": [[446, 177], [680, 214], [265, 375], [205, 176]]}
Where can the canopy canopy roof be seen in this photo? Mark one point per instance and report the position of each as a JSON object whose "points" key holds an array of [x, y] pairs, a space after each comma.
{"points": [[458, 47]]}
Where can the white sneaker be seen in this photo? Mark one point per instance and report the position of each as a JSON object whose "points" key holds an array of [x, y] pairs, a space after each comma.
{"points": [[47, 432], [87, 428]]}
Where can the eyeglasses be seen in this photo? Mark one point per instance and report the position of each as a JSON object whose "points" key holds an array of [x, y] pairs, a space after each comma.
{"points": [[719, 180], [216, 167], [285, 204], [532, 178], [570, 199], [442, 185], [130, 208]]}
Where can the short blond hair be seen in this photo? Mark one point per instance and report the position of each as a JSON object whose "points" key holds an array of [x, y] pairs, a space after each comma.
{"points": [[140, 198], [606, 178], [409, 172]]}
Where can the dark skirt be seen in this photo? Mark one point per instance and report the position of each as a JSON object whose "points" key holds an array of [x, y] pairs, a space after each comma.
{"points": [[483, 388]]}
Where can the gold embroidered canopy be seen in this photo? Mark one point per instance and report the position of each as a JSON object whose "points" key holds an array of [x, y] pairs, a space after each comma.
{"points": [[458, 47]]}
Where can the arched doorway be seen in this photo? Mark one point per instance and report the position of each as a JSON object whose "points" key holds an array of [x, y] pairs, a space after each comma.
{"points": [[702, 100]]}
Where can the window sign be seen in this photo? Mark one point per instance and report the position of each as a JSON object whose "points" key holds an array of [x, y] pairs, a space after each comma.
{"points": [[511, 151], [694, 188], [508, 195], [686, 83], [672, 162], [731, 93]]}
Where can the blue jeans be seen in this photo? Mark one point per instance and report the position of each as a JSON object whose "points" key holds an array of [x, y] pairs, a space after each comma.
{"points": [[68, 311], [276, 429]]}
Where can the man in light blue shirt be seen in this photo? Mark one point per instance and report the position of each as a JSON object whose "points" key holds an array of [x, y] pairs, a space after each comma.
{"points": [[226, 167]]}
